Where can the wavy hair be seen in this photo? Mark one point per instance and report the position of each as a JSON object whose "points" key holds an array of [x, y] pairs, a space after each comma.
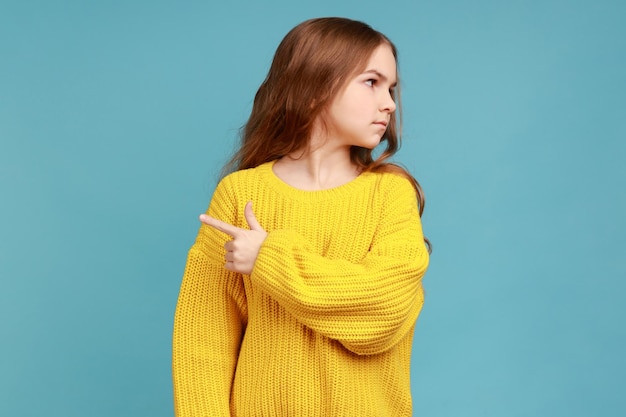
{"points": [[313, 62]]}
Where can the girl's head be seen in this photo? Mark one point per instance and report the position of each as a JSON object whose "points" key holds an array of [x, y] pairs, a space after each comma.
{"points": [[311, 66]]}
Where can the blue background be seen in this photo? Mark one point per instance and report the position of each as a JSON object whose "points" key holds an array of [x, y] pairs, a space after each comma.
{"points": [[115, 118]]}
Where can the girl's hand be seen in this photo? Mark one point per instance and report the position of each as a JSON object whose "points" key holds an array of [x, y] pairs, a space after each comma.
{"points": [[243, 249]]}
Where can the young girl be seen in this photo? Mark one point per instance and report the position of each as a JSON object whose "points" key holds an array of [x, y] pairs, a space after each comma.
{"points": [[302, 289]]}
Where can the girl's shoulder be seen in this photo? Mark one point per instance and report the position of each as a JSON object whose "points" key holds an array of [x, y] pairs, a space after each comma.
{"points": [[392, 180], [245, 176]]}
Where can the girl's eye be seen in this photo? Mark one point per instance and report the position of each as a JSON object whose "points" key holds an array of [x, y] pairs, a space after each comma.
{"points": [[370, 82]]}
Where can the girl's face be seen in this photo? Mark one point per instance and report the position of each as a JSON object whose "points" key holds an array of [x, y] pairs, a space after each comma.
{"points": [[360, 113]]}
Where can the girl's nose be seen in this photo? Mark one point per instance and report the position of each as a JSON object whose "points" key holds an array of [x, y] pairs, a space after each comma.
{"points": [[388, 104]]}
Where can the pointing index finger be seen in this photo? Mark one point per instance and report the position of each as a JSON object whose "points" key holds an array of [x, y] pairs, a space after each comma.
{"points": [[224, 227]]}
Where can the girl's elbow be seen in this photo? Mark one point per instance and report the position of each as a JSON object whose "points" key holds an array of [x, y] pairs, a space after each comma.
{"points": [[383, 336]]}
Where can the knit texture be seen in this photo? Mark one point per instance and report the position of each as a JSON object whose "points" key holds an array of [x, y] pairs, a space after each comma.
{"points": [[323, 326]]}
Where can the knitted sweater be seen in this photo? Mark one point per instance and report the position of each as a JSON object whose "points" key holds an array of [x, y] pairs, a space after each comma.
{"points": [[323, 325]]}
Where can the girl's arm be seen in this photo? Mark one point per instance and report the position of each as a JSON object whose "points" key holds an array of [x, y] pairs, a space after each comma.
{"points": [[210, 320], [368, 306]]}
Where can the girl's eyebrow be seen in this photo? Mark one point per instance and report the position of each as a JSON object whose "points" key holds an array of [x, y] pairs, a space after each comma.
{"points": [[380, 75]]}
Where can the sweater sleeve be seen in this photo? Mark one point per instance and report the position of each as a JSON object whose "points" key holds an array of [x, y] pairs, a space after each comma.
{"points": [[209, 323], [368, 306]]}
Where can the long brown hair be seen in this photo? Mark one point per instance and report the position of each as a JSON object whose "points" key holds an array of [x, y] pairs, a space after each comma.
{"points": [[311, 65]]}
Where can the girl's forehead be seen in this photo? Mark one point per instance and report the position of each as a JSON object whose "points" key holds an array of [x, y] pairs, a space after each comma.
{"points": [[382, 62]]}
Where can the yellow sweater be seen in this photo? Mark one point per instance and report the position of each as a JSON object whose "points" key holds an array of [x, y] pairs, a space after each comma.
{"points": [[324, 324]]}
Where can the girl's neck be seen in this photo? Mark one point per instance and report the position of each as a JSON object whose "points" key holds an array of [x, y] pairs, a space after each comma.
{"points": [[317, 169]]}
